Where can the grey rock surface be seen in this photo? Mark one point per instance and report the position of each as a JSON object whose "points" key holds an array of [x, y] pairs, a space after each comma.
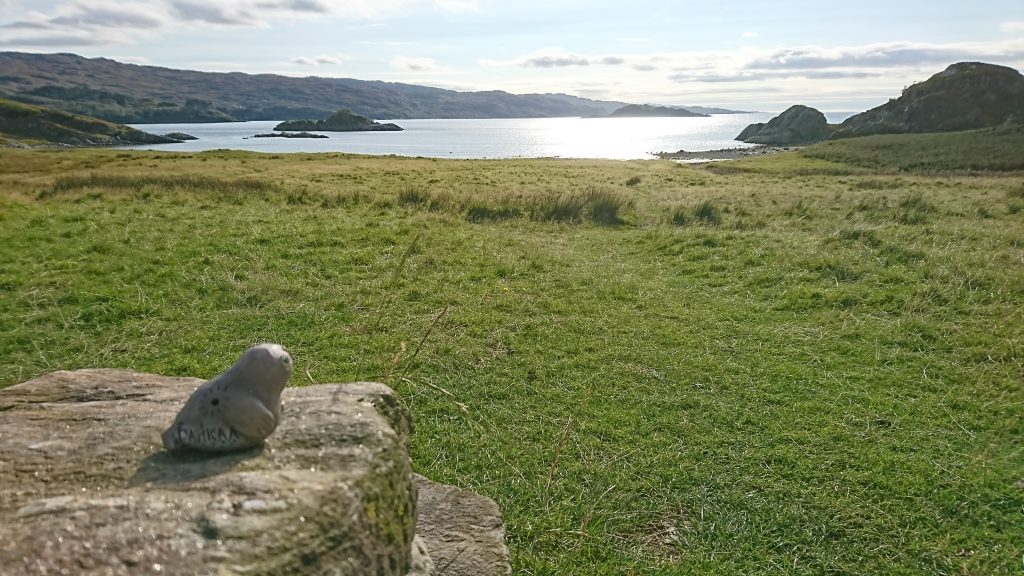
{"points": [[463, 531], [797, 126], [87, 489], [750, 131], [421, 563]]}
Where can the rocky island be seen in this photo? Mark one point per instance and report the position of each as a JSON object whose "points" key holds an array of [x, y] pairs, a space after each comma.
{"points": [[290, 135], [648, 111], [341, 121]]}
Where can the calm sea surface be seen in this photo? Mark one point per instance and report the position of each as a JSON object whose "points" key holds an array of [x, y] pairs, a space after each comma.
{"points": [[613, 138]]}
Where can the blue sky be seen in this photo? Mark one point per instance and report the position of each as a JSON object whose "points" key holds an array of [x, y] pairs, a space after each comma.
{"points": [[748, 55]]}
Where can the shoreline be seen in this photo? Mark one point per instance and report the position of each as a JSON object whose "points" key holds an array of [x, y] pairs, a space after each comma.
{"points": [[683, 156], [724, 153]]}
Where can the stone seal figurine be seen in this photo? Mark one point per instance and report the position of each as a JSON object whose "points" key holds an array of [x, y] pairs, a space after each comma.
{"points": [[236, 410]]}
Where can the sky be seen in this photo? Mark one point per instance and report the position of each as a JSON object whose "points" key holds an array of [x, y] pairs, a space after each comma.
{"points": [[764, 56]]}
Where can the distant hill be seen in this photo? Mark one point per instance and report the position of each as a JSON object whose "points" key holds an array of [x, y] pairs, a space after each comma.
{"points": [[964, 96], [710, 111], [24, 124], [646, 111], [140, 94]]}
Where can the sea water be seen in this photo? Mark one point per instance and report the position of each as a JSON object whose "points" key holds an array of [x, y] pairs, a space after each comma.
{"points": [[611, 138]]}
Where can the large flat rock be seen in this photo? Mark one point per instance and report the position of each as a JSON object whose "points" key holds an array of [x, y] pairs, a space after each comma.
{"points": [[463, 532], [86, 487]]}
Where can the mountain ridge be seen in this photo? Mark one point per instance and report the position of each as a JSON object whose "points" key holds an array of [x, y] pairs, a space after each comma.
{"points": [[133, 93]]}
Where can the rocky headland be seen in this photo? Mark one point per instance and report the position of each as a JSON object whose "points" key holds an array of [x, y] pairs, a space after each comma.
{"points": [[24, 125], [964, 96], [797, 126]]}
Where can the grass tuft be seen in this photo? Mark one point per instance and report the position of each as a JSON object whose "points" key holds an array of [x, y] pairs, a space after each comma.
{"points": [[414, 196], [679, 216], [605, 207], [566, 207], [914, 209], [708, 213], [180, 182], [485, 213]]}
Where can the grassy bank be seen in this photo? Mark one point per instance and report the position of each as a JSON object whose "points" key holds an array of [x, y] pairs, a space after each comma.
{"points": [[996, 149], [781, 365]]}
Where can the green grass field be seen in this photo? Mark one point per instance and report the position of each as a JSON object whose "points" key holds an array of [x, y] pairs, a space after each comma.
{"points": [[785, 365]]}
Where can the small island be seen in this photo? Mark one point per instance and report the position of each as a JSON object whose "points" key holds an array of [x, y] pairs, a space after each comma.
{"points": [[291, 135], [648, 111], [341, 121]]}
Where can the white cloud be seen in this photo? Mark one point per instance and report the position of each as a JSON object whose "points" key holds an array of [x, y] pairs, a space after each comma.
{"points": [[1013, 26], [750, 34], [352, 9], [212, 13], [106, 22], [322, 60], [750, 64], [886, 55], [106, 15], [557, 58], [418, 64], [140, 60], [836, 78], [59, 40], [553, 58]]}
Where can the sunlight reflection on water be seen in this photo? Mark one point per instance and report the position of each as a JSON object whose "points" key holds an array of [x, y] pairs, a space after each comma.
{"points": [[613, 138]]}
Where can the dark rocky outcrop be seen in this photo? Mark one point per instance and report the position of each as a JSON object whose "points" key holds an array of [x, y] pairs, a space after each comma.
{"points": [[87, 489], [341, 121], [750, 131], [964, 96], [40, 126], [180, 136], [797, 126]]}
